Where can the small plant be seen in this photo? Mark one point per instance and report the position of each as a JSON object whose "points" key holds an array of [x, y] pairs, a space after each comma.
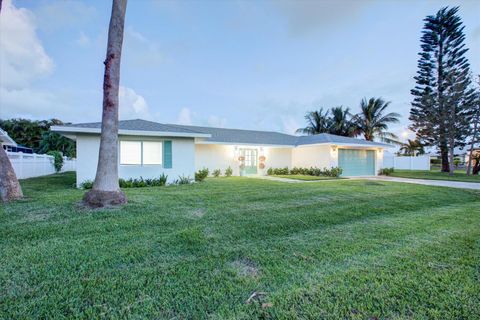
{"points": [[57, 160], [216, 173], [200, 175], [183, 180], [228, 172], [386, 171], [269, 171], [87, 184]]}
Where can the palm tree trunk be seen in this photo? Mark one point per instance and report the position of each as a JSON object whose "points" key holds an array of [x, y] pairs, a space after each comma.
{"points": [[106, 190], [9, 187]]}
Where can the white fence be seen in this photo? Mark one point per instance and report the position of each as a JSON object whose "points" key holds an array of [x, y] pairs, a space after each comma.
{"points": [[28, 165], [406, 163]]}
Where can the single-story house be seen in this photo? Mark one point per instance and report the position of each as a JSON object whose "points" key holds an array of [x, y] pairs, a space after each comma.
{"points": [[148, 149]]}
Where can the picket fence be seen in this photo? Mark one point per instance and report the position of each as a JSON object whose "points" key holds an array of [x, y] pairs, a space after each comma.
{"points": [[406, 163], [28, 165]]}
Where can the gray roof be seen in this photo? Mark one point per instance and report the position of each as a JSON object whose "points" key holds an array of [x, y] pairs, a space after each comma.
{"points": [[243, 136], [223, 135], [331, 138], [137, 125]]}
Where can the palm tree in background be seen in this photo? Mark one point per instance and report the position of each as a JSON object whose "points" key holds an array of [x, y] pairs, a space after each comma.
{"points": [[317, 122], [341, 123], [372, 121], [412, 148]]}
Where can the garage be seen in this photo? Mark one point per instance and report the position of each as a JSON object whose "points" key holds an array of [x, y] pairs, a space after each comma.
{"points": [[356, 162]]}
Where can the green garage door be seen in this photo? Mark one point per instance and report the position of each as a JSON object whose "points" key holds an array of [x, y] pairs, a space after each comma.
{"points": [[356, 162]]}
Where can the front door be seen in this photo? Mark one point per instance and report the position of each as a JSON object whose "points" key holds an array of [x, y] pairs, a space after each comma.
{"points": [[251, 161]]}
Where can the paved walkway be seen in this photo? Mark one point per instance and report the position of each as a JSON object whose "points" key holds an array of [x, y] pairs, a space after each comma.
{"points": [[438, 183]]}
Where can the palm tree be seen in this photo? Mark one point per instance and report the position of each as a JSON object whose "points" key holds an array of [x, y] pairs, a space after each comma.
{"points": [[372, 121], [412, 148], [106, 190], [341, 122], [317, 122]]}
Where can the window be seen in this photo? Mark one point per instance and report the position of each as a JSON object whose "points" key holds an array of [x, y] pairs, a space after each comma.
{"points": [[152, 152], [130, 152], [141, 152]]}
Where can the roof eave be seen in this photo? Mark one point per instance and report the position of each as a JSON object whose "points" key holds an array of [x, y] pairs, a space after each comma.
{"points": [[70, 130]]}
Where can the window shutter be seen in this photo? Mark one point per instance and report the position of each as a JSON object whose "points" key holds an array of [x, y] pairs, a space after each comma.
{"points": [[167, 154]]}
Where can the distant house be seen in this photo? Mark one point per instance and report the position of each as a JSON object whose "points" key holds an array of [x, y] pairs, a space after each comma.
{"points": [[148, 149], [10, 145]]}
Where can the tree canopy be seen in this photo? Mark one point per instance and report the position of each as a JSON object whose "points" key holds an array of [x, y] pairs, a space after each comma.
{"points": [[37, 135]]}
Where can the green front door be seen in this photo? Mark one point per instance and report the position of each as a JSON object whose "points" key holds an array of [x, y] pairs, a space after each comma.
{"points": [[250, 161], [356, 162]]}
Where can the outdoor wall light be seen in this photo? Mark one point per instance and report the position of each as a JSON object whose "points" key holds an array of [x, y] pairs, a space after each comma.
{"points": [[334, 148]]}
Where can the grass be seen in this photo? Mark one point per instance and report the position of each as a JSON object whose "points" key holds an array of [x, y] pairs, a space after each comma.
{"points": [[303, 177], [435, 174], [350, 249]]}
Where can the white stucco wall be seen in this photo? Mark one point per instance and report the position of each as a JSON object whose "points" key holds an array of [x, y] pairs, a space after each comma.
{"points": [[278, 157], [183, 159], [312, 156], [216, 156]]}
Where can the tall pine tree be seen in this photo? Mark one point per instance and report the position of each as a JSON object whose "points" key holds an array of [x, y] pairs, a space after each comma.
{"points": [[443, 98]]}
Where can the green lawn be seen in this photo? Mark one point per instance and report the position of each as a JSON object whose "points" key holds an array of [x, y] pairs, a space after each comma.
{"points": [[349, 249], [303, 177], [435, 174]]}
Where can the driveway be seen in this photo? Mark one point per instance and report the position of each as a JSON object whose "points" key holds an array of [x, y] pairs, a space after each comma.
{"points": [[439, 183]]}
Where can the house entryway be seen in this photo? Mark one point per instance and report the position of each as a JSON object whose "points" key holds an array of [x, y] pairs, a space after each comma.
{"points": [[251, 161]]}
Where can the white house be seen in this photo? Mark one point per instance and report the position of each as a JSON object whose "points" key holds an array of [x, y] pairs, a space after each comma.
{"points": [[148, 149]]}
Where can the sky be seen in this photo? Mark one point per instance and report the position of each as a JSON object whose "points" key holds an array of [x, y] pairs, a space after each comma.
{"points": [[238, 64]]}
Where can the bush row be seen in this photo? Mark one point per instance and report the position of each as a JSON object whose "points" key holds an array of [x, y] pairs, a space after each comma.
{"points": [[312, 171], [200, 175], [386, 171], [133, 183]]}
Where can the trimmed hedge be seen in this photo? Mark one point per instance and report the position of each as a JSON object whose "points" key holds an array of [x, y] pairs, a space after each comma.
{"points": [[133, 183], [312, 171]]}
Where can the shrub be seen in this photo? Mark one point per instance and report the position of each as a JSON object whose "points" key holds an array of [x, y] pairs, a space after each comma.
{"points": [[183, 180], [87, 184], [312, 171], [140, 183], [216, 173], [228, 172], [435, 161], [57, 160], [386, 171], [277, 171], [200, 175]]}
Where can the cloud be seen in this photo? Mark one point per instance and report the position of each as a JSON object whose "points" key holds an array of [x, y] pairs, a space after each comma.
{"points": [[290, 125], [141, 51], [22, 57], [306, 16], [83, 40], [132, 105], [185, 116], [64, 14], [215, 121]]}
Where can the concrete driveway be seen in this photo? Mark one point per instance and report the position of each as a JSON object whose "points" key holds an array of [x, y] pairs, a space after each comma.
{"points": [[439, 183]]}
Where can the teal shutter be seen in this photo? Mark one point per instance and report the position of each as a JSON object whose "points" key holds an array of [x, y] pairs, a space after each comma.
{"points": [[167, 154]]}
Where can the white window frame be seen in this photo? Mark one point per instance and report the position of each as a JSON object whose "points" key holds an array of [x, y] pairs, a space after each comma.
{"points": [[141, 164]]}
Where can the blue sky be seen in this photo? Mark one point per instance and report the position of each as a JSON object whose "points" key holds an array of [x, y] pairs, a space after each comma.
{"points": [[241, 64]]}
